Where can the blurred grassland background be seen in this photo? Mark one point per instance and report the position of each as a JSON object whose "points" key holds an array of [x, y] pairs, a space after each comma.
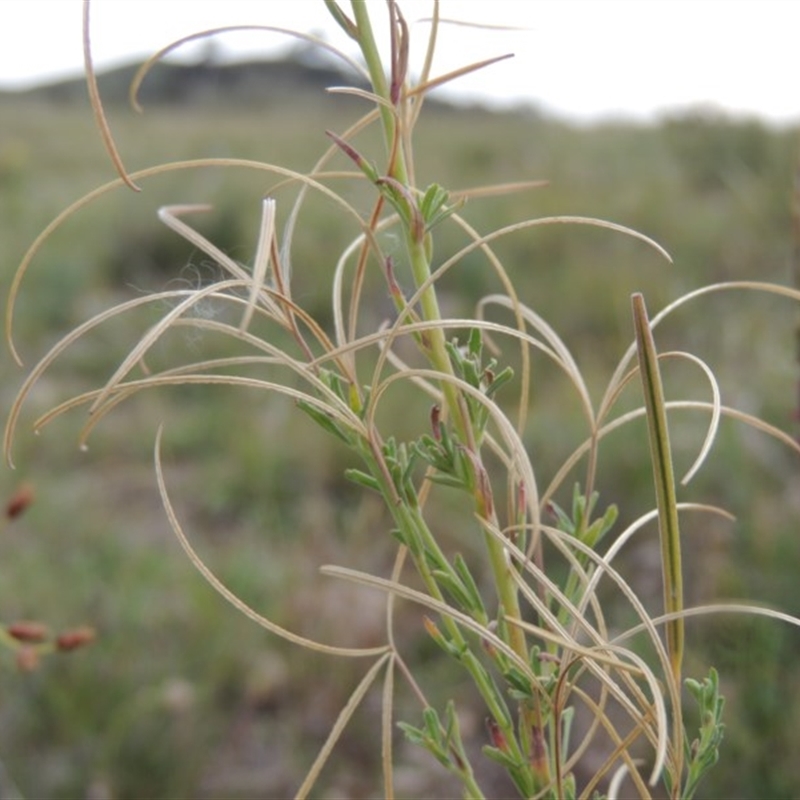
{"points": [[181, 696]]}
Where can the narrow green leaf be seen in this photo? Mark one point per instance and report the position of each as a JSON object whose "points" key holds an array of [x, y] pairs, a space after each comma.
{"points": [[506, 760], [443, 479], [433, 728], [475, 343], [600, 527], [443, 213], [362, 479], [342, 20], [519, 682], [492, 696], [469, 585], [562, 518], [499, 381], [370, 170], [432, 202], [399, 536], [664, 479], [567, 717], [578, 505], [323, 420], [453, 586], [414, 735]]}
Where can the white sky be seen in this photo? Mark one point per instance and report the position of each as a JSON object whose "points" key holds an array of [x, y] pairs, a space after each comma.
{"points": [[582, 58]]}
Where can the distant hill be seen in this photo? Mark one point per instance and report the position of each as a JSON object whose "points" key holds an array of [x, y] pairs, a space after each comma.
{"points": [[240, 83]]}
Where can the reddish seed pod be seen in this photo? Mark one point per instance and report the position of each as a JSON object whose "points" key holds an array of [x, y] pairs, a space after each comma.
{"points": [[28, 631], [488, 648], [431, 627], [77, 637], [436, 421], [538, 750], [496, 735], [394, 286], [19, 501]]}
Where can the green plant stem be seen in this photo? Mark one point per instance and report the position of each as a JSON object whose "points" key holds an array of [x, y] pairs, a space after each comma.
{"points": [[436, 352], [369, 49], [420, 265], [411, 522]]}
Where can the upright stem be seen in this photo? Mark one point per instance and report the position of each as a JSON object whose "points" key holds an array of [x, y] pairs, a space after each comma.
{"points": [[420, 266], [421, 272], [436, 351]]}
